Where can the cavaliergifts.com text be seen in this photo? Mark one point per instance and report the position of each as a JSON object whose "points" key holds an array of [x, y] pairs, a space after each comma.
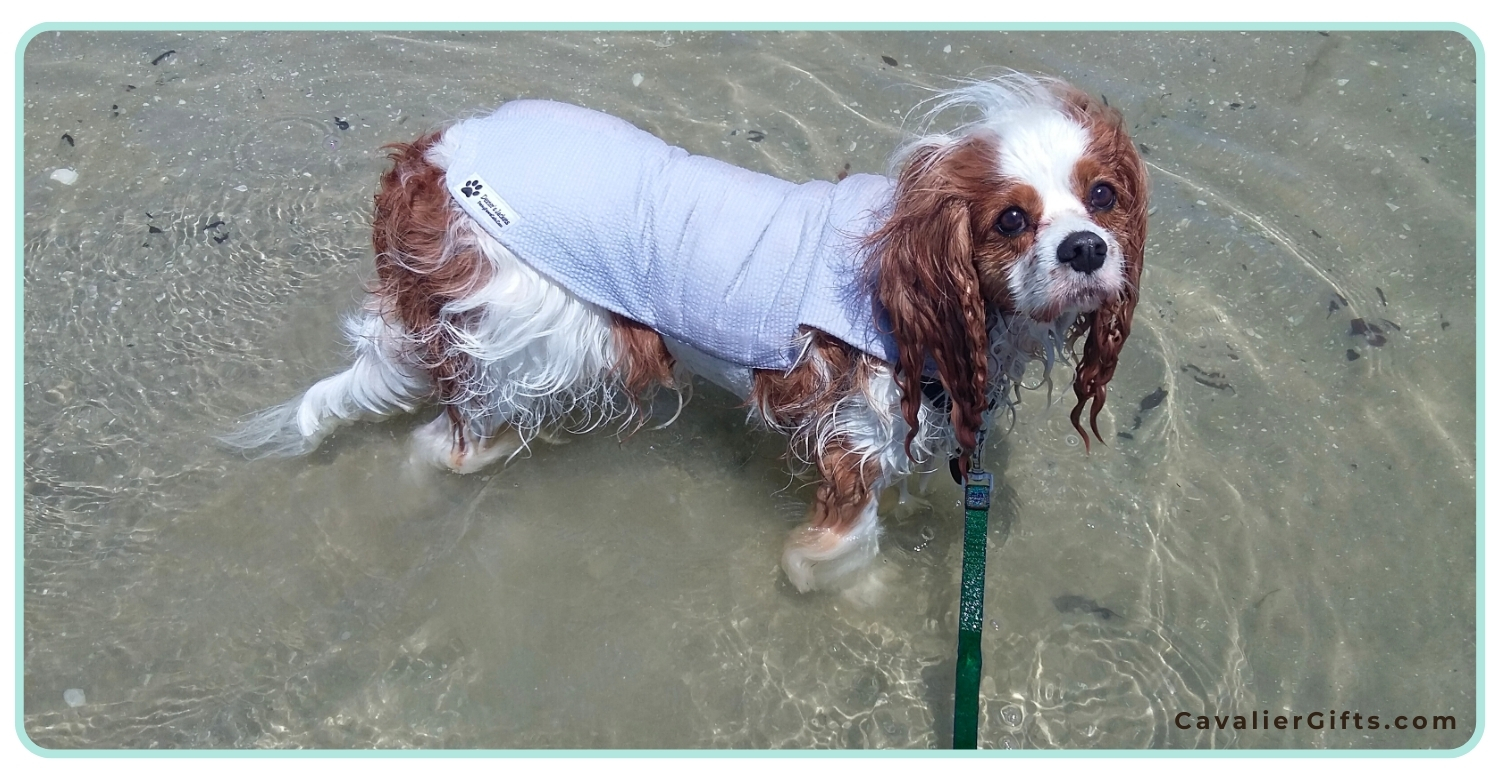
{"points": [[1316, 721]]}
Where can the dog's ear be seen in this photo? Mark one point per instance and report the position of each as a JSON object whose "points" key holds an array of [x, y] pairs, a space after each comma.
{"points": [[1109, 326], [928, 285]]}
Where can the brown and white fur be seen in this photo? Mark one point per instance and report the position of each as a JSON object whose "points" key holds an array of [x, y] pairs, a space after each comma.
{"points": [[456, 319]]}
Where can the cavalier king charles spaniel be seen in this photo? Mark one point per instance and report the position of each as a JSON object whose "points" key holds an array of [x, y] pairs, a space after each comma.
{"points": [[548, 268]]}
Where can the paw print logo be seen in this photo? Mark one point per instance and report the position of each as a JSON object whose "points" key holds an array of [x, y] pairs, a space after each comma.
{"points": [[471, 188]]}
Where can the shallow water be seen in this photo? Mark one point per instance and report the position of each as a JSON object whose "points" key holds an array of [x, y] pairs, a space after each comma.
{"points": [[1291, 530]]}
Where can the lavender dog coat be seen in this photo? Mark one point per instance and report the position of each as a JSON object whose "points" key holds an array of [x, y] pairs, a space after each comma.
{"points": [[728, 261]]}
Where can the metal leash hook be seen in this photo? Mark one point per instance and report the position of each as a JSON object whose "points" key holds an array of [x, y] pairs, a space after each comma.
{"points": [[977, 483]]}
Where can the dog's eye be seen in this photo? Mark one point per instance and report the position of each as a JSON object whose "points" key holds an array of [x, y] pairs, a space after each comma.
{"points": [[1101, 197], [1011, 222]]}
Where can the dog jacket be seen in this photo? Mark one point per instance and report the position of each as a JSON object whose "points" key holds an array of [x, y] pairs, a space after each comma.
{"points": [[726, 260]]}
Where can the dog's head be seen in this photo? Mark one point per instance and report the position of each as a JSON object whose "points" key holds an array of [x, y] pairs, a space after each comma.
{"points": [[1037, 209]]}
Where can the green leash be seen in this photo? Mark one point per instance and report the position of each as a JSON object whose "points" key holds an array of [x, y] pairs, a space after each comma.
{"points": [[971, 605]]}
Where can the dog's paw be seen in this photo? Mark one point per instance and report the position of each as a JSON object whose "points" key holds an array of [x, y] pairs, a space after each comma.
{"points": [[504, 445], [824, 559], [434, 443]]}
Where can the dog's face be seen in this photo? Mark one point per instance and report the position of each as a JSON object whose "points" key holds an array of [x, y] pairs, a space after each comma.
{"points": [[1037, 210], [1065, 203]]}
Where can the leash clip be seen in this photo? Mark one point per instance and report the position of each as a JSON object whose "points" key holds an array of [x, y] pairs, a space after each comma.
{"points": [[976, 458], [977, 490]]}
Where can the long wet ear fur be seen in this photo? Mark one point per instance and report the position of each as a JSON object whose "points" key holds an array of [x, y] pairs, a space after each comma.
{"points": [[927, 283], [1107, 327]]}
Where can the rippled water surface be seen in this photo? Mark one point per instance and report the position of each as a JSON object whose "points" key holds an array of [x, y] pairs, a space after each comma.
{"points": [[1290, 529]]}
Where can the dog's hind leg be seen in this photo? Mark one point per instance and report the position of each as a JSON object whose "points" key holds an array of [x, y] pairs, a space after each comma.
{"points": [[437, 443], [381, 382]]}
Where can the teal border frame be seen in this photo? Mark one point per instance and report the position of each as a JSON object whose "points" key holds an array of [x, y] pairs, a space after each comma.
{"points": [[20, 324]]}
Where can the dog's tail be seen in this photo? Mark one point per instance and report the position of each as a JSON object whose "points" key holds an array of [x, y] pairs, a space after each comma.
{"points": [[379, 384], [273, 432]]}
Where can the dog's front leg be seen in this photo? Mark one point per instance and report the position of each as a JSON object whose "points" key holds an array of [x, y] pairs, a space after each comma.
{"points": [[843, 534]]}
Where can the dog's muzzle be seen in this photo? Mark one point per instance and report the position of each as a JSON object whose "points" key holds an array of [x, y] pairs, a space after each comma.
{"points": [[1083, 251]]}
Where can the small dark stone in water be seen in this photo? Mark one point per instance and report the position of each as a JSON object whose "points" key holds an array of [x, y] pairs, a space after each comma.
{"points": [[1073, 603], [1262, 599], [1235, 105], [1212, 379], [1371, 332], [1081, 604], [1350, 354], [153, 229], [1446, 324], [162, 56], [68, 139], [342, 124], [1153, 400], [1425, 160], [755, 135], [891, 61]]}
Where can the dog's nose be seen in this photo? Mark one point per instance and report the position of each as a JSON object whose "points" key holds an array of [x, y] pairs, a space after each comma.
{"points": [[1083, 251]]}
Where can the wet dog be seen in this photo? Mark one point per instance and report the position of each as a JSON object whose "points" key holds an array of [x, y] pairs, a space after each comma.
{"points": [[549, 267]]}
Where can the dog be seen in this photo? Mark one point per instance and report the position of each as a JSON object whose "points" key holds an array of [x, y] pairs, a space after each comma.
{"points": [[549, 267]]}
